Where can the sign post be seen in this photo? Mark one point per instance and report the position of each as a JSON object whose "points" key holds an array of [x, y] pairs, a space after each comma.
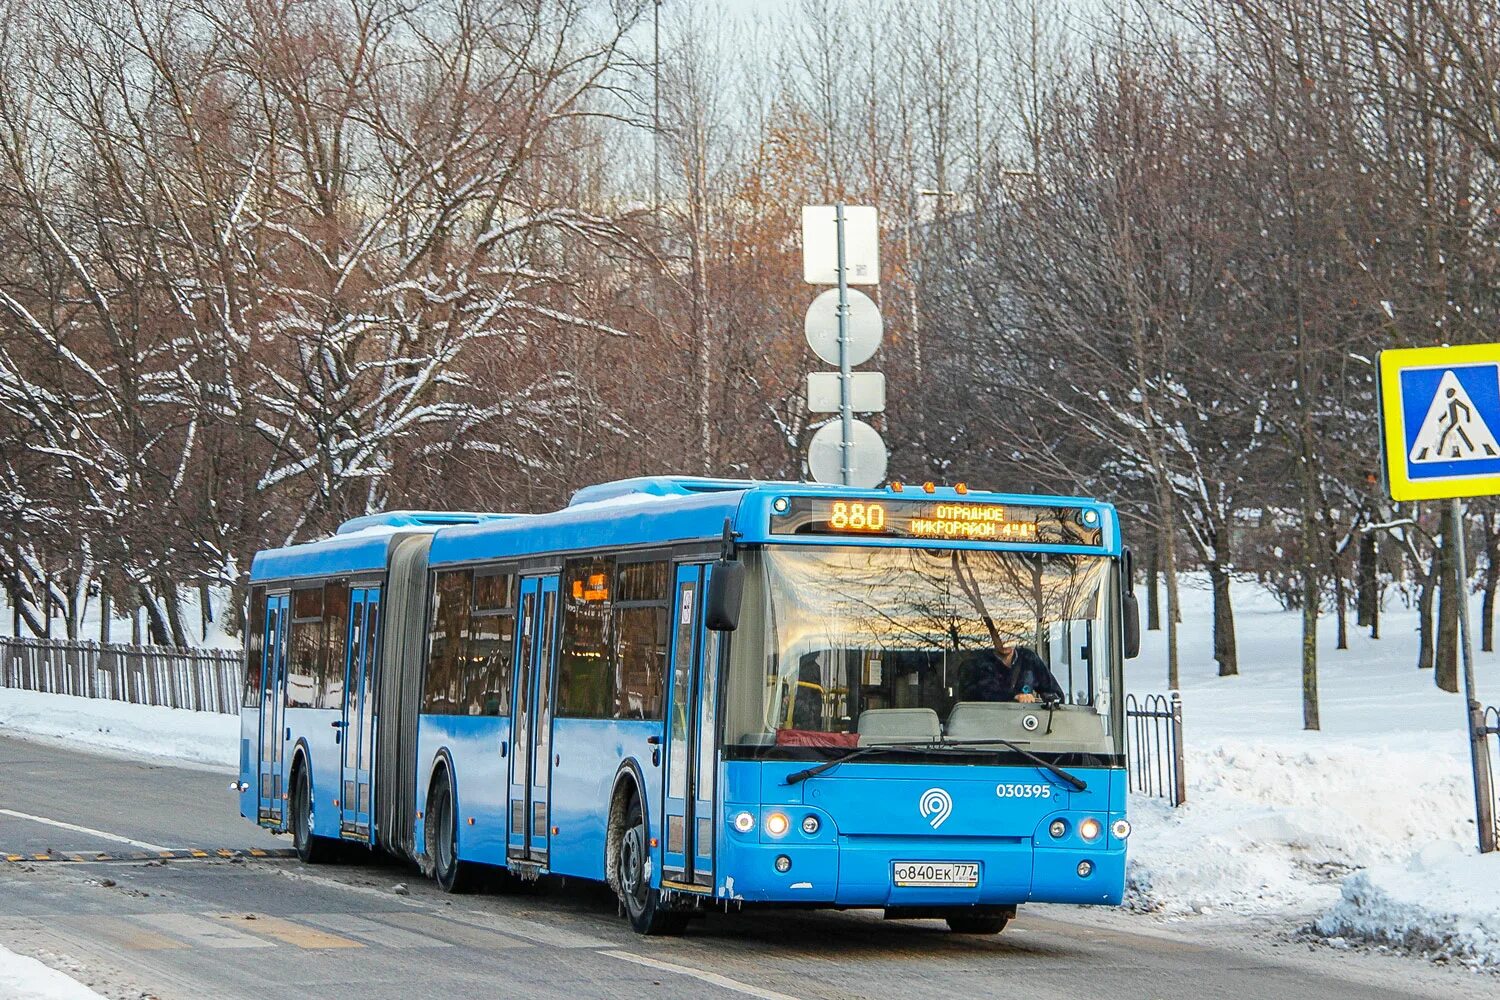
{"points": [[1439, 415], [840, 246]]}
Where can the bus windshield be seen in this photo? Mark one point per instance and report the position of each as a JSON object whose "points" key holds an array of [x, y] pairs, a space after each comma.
{"points": [[853, 645]]}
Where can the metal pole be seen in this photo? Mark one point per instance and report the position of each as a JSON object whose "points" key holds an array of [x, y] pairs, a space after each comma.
{"points": [[846, 414], [1479, 751]]}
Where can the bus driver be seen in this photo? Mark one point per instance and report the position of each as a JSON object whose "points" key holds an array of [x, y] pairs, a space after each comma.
{"points": [[1009, 672]]}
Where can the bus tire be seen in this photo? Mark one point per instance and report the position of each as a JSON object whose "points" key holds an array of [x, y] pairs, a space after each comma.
{"points": [[643, 903], [973, 924], [452, 875], [311, 849]]}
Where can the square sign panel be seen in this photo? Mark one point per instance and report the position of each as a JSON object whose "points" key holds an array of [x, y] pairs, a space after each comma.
{"points": [[1440, 421], [820, 245]]}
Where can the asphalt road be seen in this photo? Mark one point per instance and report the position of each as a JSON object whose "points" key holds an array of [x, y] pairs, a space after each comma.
{"points": [[141, 925]]}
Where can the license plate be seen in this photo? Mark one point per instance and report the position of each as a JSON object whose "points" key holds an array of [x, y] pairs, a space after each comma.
{"points": [[960, 874]]}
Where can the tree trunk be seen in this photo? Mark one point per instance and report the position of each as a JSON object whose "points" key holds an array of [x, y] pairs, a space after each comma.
{"points": [[205, 608], [1366, 589], [1169, 570], [157, 631], [1450, 592], [106, 608], [1425, 595], [173, 604], [1226, 650], [1153, 589], [1310, 599]]}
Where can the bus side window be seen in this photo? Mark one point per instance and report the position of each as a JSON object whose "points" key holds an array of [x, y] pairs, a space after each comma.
{"points": [[336, 624], [585, 673], [491, 646], [642, 596], [305, 668], [255, 646], [451, 594]]}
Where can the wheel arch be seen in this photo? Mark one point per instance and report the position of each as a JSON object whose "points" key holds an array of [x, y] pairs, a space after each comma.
{"points": [[628, 781]]}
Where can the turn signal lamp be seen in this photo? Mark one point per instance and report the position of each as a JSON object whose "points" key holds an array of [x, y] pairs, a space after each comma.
{"points": [[777, 824], [1120, 828], [744, 822], [1090, 829]]}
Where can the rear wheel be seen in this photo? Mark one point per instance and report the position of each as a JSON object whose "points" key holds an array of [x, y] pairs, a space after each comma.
{"points": [[311, 849], [643, 904], [968, 924], [452, 874]]}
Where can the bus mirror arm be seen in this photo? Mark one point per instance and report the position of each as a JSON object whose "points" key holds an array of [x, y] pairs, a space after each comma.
{"points": [[725, 587]]}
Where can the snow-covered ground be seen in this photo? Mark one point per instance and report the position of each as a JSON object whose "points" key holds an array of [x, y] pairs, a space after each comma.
{"points": [[23, 978], [116, 727], [1368, 823]]}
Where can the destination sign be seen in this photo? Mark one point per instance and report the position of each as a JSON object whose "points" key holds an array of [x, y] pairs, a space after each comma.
{"points": [[945, 520]]}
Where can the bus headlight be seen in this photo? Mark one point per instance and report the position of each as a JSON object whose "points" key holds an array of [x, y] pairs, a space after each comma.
{"points": [[1120, 828], [744, 822], [1090, 829], [777, 824], [809, 825], [1057, 828]]}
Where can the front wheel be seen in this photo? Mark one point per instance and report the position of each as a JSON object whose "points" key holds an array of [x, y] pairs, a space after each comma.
{"points": [[977, 924], [643, 904], [311, 849]]}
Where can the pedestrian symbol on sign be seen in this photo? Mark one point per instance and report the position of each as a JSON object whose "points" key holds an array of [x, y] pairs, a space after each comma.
{"points": [[1453, 430]]}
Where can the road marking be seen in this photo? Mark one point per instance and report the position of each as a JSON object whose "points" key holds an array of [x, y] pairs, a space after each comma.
{"points": [[200, 930], [459, 933], [286, 931], [707, 977], [181, 854], [121, 933], [384, 935], [529, 930], [84, 829]]}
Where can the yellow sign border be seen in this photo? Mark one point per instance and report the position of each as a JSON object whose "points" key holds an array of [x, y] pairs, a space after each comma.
{"points": [[1393, 434]]}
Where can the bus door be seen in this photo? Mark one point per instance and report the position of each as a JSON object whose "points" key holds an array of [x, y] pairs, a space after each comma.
{"points": [[273, 734], [688, 809], [359, 715], [531, 720]]}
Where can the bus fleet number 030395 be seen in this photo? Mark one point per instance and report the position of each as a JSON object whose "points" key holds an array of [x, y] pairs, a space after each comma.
{"points": [[1023, 791]]}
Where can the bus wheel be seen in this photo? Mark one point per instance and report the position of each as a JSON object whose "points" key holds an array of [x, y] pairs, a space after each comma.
{"points": [[452, 874], [643, 904], [311, 849], [969, 924]]}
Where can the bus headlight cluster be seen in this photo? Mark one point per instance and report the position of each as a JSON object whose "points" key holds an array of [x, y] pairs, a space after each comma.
{"points": [[810, 825], [1120, 828], [1090, 829], [744, 822], [777, 824]]}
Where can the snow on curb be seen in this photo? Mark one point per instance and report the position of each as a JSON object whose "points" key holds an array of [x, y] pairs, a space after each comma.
{"points": [[25, 978], [1443, 904], [119, 728]]}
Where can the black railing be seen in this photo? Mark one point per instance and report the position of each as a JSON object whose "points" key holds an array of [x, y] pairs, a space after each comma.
{"points": [[1153, 738], [204, 680]]}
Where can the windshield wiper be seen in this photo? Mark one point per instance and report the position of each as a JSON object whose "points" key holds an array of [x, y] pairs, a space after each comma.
{"points": [[869, 748], [939, 746]]}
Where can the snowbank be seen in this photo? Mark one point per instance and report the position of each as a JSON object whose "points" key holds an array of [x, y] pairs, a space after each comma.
{"points": [[1444, 903], [23, 978], [1278, 817], [118, 727]]}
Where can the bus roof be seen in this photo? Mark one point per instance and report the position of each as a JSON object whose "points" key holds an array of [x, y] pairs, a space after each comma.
{"points": [[653, 510]]}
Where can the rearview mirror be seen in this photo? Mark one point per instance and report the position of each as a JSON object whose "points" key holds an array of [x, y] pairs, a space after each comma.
{"points": [[1132, 614], [725, 588]]}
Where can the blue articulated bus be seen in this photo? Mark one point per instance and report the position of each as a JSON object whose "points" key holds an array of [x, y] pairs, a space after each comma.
{"points": [[709, 694]]}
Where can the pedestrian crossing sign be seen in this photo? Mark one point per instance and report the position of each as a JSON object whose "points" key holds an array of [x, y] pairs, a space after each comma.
{"points": [[1440, 421]]}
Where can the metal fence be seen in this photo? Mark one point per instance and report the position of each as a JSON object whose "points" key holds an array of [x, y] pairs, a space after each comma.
{"points": [[1485, 777], [203, 680], [1153, 746]]}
